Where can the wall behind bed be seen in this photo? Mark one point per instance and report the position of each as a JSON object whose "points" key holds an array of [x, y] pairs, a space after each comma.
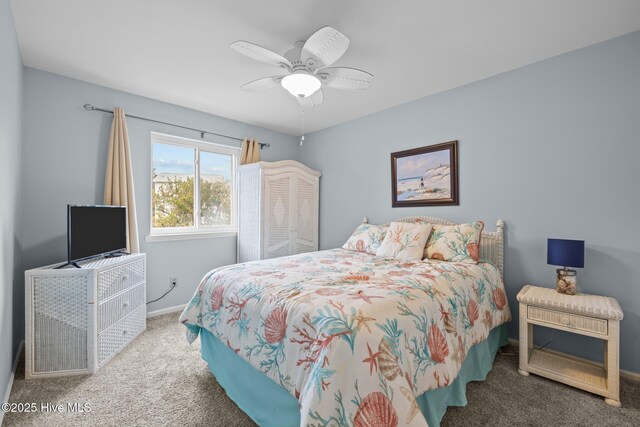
{"points": [[65, 151], [552, 148]]}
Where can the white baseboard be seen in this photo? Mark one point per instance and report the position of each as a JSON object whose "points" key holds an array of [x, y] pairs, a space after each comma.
{"points": [[633, 376], [7, 393], [165, 310]]}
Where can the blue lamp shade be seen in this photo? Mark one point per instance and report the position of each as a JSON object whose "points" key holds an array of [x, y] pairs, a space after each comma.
{"points": [[565, 253]]}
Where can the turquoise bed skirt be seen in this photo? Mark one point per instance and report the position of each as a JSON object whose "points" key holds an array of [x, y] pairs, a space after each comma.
{"points": [[270, 405]]}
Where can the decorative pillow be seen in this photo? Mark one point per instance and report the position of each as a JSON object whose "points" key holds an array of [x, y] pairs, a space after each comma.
{"points": [[459, 243], [405, 241], [366, 238], [425, 222]]}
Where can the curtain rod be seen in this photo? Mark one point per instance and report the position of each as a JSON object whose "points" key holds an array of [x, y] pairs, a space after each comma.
{"points": [[90, 107]]}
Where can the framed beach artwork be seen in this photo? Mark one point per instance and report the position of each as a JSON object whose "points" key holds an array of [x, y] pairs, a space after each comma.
{"points": [[425, 176]]}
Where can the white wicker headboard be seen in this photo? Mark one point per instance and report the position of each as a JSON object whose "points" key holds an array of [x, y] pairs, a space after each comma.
{"points": [[491, 242]]}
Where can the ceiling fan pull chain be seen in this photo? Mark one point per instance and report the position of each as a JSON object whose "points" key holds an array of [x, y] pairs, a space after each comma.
{"points": [[302, 125]]}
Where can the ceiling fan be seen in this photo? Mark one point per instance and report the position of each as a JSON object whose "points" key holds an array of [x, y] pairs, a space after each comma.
{"points": [[307, 66]]}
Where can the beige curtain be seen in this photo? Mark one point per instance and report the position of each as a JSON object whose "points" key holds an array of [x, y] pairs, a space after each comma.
{"points": [[118, 183], [250, 151]]}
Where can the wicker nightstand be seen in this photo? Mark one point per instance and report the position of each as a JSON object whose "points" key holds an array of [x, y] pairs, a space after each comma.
{"points": [[589, 315]]}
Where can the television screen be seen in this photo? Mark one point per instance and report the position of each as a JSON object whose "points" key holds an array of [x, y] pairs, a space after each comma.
{"points": [[95, 230]]}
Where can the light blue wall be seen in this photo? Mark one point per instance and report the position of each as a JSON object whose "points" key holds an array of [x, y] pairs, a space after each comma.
{"points": [[552, 148], [65, 150], [10, 136]]}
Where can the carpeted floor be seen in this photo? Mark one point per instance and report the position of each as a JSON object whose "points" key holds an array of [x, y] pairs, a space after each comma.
{"points": [[159, 380]]}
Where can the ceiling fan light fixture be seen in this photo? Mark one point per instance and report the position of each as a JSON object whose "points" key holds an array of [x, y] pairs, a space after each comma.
{"points": [[301, 85], [307, 64]]}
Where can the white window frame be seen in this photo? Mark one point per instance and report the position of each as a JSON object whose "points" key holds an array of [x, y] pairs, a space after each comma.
{"points": [[197, 231]]}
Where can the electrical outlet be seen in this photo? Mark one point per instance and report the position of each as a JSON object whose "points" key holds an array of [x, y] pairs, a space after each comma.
{"points": [[173, 281]]}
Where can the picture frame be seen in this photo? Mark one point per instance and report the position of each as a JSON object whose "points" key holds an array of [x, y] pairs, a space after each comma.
{"points": [[425, 176]]}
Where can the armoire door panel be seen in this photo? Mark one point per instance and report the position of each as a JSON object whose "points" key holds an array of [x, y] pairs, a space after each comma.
{"points": [[305, 214], [277, 229]]}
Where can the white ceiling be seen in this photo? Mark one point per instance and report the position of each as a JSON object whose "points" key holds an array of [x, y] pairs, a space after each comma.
{"points": [[178, 51]]}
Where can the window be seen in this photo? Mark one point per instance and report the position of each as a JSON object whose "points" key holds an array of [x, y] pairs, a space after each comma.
{"points": [[192, 186]]}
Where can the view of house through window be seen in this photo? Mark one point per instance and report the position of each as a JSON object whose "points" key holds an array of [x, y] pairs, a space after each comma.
{"points": [[192, 185]]}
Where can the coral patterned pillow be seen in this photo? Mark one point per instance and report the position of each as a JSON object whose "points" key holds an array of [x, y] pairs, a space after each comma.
{"points": [[366, 238], [405, 241], [458, 243], [422, 221]]}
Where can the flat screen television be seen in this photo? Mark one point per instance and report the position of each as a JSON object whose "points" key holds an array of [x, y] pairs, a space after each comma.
{"points": [[95, 230]]}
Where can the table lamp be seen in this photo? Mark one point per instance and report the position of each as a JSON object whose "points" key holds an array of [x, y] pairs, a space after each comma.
{"points": [[566, 253]]}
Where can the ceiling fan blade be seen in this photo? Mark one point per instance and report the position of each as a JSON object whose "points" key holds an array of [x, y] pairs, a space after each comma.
{"points": [[345, 78], [313, 100], [262, 84], [324, 47], [261, 54]]}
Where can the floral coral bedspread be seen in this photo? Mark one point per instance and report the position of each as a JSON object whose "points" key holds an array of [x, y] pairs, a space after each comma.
{"points": [[352, 336]]}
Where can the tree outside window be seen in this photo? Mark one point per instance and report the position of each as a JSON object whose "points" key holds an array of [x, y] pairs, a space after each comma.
{"points": [[192, 186]]}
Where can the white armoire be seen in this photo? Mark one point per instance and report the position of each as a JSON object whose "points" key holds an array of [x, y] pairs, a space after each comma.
{"points": [[277, 210]]}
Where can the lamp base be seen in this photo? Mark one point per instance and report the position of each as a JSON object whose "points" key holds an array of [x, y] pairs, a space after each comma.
{"points": [[566, 281]]}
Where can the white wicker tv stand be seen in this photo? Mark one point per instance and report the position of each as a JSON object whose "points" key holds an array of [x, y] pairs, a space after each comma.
{"points": [[77, 319]]}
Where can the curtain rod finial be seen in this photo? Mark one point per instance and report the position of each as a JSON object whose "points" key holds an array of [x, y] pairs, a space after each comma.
{"points": [[89, 107]]}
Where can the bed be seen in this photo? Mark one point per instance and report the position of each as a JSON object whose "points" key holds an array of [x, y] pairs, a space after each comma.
{"points": [[344, 338]]}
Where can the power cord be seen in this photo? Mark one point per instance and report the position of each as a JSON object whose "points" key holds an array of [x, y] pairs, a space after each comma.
{"points": [[173, 285], [504, 352], [545, 344]]}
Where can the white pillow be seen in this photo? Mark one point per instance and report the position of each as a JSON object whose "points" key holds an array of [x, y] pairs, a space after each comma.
{"points": [[366, 238], [405, 241]]}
